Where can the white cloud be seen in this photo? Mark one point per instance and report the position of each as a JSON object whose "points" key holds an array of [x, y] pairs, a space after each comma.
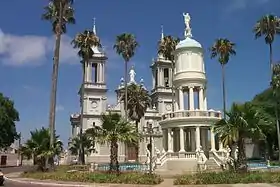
{"points": [[18, 50], [59, 108], [243, 4]]}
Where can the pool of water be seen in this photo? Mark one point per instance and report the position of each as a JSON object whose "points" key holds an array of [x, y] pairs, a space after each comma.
{"points": [[125, 167]]}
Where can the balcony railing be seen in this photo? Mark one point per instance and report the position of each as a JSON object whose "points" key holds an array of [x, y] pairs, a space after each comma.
{"points": [[192, 114]]}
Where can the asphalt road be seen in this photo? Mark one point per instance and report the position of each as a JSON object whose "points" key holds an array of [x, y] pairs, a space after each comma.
{"points": [[15, 184]]}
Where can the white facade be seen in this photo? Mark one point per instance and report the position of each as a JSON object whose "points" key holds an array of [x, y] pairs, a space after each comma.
{"points": [[185, 130]]}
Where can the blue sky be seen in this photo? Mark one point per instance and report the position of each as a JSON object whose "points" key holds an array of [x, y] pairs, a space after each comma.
{"points": [[26, 50]]}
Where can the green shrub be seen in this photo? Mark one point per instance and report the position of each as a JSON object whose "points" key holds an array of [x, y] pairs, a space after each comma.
{"points": [[97, 177], [228, 178]]}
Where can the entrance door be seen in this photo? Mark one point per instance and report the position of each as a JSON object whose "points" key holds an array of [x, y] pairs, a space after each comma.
{"points": [[3, 160], [131, 152]]}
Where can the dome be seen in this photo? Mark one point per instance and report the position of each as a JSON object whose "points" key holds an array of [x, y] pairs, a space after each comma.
{"points": [[187, 43]]}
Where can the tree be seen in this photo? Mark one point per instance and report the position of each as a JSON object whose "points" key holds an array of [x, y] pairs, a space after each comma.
{"points": [[84, 41], [138, 102], [243, 121], [38, 147], [166, 47], [114, 130], [59, 13], [126, 46], [86, 142], [223, 49], [268, 26], [8, 116]]}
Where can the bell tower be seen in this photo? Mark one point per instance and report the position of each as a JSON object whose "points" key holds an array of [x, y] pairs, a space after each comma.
{"points": [[162, 83], [95, 99]]}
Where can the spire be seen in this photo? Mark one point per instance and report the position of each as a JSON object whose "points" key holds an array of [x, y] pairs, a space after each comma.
{"points": [[94, 27], [161, 39], [188, 30], [162, 34]]}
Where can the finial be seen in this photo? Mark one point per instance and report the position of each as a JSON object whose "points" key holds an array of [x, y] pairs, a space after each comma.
{"points": [[188, 30], [142, 81], [94, 27]]}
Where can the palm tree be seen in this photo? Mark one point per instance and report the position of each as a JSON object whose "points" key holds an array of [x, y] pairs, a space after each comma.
{"points": [[75, 144], [166, 47], [268, 26], [223, 49], [126, 46], [113, 130], [59, 13], [38, 147], [243, 121], [138, 102], [84, 41]]}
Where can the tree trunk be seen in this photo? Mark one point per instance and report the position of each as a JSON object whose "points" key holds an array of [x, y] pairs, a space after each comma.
{"points": [[114, 163], [241, 158], [137, 143], [270, 58], [172, 85], [82, 152], [125, 103], [54, 79], [224, 90]]}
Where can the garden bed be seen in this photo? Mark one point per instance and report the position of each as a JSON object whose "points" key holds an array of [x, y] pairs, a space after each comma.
{"points": [[228, 178], [96, 177]]}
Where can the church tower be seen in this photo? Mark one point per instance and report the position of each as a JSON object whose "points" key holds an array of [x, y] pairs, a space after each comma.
{"points": [[95, 99], [162, 83]]}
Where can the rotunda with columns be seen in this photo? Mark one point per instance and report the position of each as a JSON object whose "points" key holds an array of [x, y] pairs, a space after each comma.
{"points": [[187, 129]]}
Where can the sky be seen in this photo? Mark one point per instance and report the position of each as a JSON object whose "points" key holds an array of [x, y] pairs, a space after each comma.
{"points": [[26, 50]]}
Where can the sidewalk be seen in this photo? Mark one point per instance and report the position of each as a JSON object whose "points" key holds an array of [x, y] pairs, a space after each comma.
{"points": [[14, 177]]}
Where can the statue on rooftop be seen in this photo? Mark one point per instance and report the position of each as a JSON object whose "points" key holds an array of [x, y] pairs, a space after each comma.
{"points": [[132, 74], [187, 19]]}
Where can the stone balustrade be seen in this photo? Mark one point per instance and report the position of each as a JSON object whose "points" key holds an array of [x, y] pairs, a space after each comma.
{"points": [[192, 114]]}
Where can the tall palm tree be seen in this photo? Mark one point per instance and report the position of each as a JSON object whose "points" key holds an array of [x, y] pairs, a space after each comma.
{"points": [[268, 26], [59, 13], [84, 41], [113, 130], [38, 147], [166, 47], [75, 144], [243, 121], [223, 49], [138, 102], [126, 46]]}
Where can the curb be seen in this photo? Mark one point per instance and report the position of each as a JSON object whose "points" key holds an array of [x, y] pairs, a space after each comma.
{"points": [[48, 183]]}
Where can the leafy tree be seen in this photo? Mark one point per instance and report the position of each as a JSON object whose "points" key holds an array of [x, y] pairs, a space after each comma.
{"points": [[113, 130], [223, 49], [138, 102], [8, 116], [166, 47], [59, 13], [38, 147], [267, 26], [86, 142], [84, 41], [126, 46], [243, 121]]}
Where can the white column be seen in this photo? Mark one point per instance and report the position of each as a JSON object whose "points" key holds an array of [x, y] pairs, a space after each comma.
{"points": [[205, 99], [191, 98], [161, 77], [97, 73], [158, 77], [103, 72], [176, 99], [197, 137], [181, 98], [182, 140], [200, 99], [170, 140], [88, 72], [170, 75], [212, 134]]}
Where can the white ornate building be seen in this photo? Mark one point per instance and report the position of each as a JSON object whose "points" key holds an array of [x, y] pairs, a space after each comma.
{"points": [[185, 133]]}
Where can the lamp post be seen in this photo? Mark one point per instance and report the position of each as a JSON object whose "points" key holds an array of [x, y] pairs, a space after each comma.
{"points": [[150, 132]]}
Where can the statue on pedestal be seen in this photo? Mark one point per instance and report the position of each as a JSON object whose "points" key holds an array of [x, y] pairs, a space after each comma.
{"points": [[188, 30], [132, 74]]}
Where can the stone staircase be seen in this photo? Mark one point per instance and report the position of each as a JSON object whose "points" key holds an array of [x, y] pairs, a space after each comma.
{"points": [[212, 165]]}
